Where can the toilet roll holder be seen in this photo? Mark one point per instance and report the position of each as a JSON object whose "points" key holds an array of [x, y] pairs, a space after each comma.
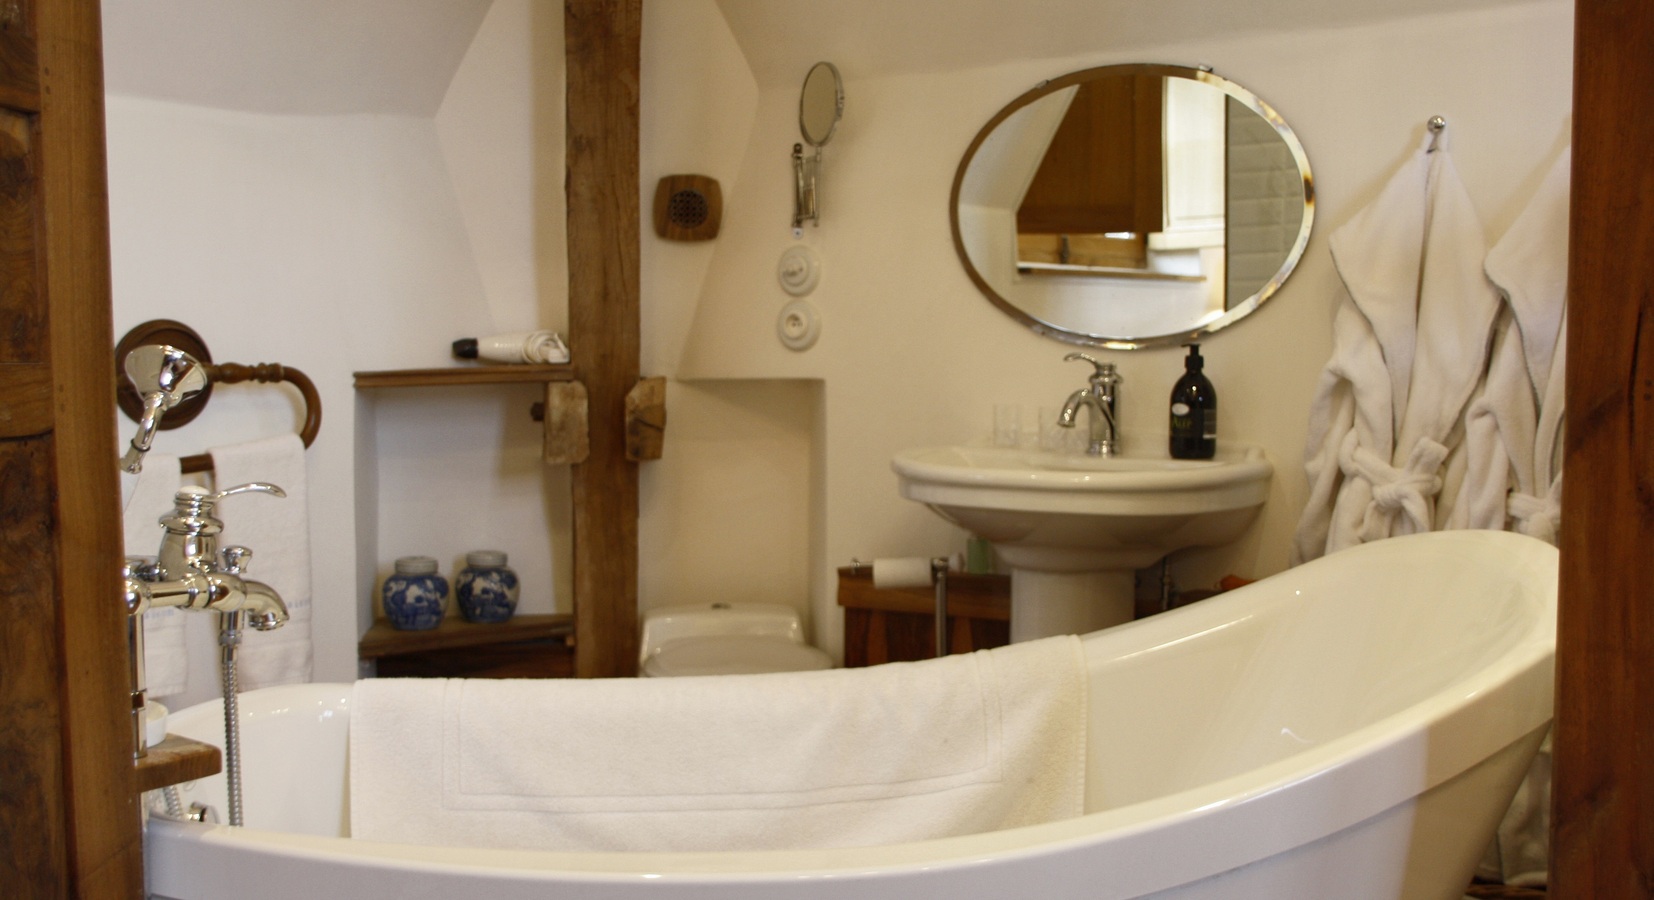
{"points": [[939, 567]]}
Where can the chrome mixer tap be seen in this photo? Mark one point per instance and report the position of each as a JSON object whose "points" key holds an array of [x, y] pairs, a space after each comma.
{"points": [[1102, 395]]}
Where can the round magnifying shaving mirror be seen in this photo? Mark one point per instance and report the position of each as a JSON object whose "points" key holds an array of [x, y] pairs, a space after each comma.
{"points": [[820, 104], [1132, 206]]}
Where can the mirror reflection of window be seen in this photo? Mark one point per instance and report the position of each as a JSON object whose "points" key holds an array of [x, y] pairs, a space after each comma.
{"points": [[1191, 240]]}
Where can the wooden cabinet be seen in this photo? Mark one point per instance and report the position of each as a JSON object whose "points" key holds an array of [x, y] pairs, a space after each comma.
{"points": [[898, 624]]}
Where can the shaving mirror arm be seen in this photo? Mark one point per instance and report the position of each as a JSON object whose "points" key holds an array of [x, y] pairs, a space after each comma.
{"points": [[820, 106]]}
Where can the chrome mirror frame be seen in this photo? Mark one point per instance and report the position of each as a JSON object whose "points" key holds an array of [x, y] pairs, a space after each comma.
{"points": [[1076, 335]]}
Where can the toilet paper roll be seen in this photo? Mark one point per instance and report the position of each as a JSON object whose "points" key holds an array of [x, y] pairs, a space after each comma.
{"points": [[910, 571]]}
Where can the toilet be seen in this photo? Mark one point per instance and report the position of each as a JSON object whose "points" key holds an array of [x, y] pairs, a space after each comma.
{"points": [[725, 639]]}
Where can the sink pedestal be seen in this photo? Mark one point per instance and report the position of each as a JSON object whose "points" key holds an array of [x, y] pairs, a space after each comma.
{"points": [[1050, 603]]}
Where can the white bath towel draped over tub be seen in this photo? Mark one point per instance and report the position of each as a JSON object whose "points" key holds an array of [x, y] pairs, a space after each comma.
{"points": [[277, 530], [800, 760], [1409, 342]]}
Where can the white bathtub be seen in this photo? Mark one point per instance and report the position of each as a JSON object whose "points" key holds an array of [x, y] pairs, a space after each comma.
{"points": [[1353, 728]]}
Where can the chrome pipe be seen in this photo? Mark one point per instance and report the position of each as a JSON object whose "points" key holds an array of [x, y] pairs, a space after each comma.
{"points": [[939, 578]]}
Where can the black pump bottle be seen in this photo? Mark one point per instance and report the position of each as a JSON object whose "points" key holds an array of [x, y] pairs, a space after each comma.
{"points": [[1194, 413]]}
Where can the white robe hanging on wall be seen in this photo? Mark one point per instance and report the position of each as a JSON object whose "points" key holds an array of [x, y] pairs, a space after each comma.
{"points": [[1409, 342], [1514, 425], [1513, 433]]}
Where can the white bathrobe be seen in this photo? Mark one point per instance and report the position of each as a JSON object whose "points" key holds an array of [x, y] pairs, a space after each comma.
{"points": [[1409, 343], [1513, 428]]}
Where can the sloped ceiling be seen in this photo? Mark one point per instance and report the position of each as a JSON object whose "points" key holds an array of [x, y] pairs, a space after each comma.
{"points": [[870, 38], [311, 57], [322, 57]]}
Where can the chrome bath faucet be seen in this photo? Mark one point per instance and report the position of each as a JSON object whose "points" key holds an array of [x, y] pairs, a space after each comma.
{"points": [[190, 572]]}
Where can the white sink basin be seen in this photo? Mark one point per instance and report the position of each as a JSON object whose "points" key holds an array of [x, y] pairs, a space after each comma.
{"points": [[1053, 514]]}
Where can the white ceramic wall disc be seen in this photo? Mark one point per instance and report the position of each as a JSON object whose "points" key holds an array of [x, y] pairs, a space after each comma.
{"points": [[799, 325], [799, 270]]}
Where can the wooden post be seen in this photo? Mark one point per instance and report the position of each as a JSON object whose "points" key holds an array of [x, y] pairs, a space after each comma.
{"points": [[68, 798], [1603, 792], [602, 42]]}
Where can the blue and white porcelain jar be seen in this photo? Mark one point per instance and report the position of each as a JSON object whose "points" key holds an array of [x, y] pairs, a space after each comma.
{"points": [[485, 588], [415, 597]]}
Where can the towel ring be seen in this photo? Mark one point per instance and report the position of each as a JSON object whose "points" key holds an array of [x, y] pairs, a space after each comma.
{"points": [[177, 334]]}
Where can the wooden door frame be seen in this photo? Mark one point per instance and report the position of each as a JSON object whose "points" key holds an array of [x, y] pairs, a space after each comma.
{"points": [[90, 832], [1603, 789], [1603, 841]]}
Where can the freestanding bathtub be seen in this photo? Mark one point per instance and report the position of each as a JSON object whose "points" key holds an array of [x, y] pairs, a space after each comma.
{"points": [[1352, 728]]}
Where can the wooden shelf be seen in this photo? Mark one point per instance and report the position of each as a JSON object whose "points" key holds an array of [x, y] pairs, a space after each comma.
{"points": [[383, 640], [1024, 268], [895, 624], [972, 596], [463, 375], [177, 760]]}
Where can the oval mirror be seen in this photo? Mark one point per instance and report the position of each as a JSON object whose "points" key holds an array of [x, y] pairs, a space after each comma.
{"points": [[1132, 206], [820, 104]]}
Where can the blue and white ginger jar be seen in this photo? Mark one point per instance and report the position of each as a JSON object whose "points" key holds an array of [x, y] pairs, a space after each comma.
{"points": [[485, 588], [416, 596]]}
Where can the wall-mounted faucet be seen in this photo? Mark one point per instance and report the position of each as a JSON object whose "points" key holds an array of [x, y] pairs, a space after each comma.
{"points": [[164, 377], [191, 573], [1101, 395]]}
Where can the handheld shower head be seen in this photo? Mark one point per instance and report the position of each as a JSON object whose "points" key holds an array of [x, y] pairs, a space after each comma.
{"points": [[164, 376]]}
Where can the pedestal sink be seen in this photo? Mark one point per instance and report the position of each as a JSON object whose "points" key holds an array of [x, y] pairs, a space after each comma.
{"points": [[1074, 528]]}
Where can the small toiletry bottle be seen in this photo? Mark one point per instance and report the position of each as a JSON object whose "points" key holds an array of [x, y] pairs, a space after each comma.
{"points": [[523, 347], [1194, 425]]}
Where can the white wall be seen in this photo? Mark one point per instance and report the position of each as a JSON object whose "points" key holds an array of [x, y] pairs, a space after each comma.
{"points": [[910, 354], [328, 243], [338, 243]]}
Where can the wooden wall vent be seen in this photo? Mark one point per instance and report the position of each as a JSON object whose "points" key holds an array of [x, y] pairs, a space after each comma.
{"points": [[688, 208]]}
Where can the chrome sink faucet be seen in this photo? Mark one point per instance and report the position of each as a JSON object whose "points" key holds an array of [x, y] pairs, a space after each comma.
{"points": [[1102, 395], [191, 573]]}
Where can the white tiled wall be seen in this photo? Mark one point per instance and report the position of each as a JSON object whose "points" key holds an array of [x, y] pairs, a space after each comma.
{"points": [[1264, 214]]}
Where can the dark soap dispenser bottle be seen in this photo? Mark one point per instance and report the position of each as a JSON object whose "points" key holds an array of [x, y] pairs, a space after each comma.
{"points": [[1194, 421]]}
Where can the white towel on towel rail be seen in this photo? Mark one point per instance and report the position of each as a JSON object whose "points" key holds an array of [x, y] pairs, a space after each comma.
{"points": [[838, 758], [166, 662], [277, 530]]}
